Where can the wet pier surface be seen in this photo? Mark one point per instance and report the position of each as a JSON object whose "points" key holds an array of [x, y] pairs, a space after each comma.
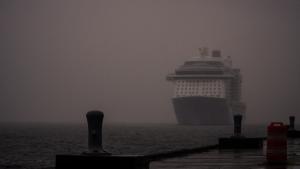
{"points": [[230, 159]]}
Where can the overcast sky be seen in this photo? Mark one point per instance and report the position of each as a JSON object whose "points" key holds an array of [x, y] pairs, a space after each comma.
{"points": [[59, 59]]}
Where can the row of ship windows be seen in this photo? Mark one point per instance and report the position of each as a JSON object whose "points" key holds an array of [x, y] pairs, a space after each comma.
{"points": [[200, 83], [197, 81], [195, 91], [195, 94], [211, 88], [215, 85], [200, 91], [199, 88]]}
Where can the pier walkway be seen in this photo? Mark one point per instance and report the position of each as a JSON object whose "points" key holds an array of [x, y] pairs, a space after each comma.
{"points": [[230, 159]]}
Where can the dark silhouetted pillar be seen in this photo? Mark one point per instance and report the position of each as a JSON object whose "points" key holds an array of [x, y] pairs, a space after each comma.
{"points": [[237, 125], [95, 119], [238, 141], [97, 158], [292, 123]]}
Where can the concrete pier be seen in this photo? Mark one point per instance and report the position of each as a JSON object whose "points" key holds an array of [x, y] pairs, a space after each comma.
{"points": [[101, 162], [238, 155], [230, 159]]}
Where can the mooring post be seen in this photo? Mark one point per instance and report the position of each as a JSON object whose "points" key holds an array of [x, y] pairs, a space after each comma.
{"points": [[96, 157], [292, 123], [238, 141], [237, 125], [95, 120]]}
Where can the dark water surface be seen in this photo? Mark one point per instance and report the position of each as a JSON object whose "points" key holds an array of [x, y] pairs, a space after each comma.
{"points": [[34, 146]]}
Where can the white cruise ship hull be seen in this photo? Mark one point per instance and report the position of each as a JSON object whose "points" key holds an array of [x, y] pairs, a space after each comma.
{"points": [[199, 110]]}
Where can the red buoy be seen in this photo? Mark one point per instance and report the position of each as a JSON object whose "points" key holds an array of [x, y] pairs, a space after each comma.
{"points": [[277, 143]]}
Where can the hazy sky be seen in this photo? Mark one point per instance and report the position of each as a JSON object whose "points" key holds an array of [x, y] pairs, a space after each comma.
{"points": [[59, 59]]}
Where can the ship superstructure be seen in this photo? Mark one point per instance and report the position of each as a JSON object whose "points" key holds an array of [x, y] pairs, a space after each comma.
{"points": [[207, 90]]}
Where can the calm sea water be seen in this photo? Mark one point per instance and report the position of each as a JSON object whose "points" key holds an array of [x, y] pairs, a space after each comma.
{"points": [[32, 146]]}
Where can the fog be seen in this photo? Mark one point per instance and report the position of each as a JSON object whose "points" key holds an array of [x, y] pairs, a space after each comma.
{"points": [[59, 59]]}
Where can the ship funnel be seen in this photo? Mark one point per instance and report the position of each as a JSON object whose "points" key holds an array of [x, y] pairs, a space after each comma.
{"points": [[203, 51], [216, 53]]}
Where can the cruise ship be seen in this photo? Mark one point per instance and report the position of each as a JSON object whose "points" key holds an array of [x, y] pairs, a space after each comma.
{"points": [[207, 90]]}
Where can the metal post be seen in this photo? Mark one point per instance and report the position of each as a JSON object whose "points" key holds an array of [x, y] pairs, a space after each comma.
{"points": [[95, 119], [237, 125], [292, 123]]}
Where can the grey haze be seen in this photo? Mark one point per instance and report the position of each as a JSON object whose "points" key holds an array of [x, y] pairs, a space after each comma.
{"points": [[59, 59]]}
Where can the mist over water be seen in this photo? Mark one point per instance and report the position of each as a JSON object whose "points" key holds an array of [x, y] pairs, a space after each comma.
{"points": [[59, 59]]}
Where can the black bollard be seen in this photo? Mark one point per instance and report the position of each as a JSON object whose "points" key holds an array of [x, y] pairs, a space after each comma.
{"points": [[96, 157], [95, 119], [292, 132], [237, 125], [238, 141], [292, 123]]}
